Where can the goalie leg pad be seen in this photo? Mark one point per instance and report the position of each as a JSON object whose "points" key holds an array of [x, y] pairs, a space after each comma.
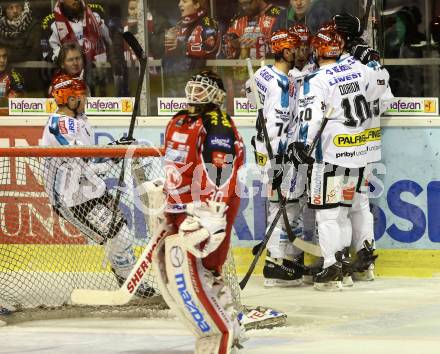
{"points": [[202, 299]]}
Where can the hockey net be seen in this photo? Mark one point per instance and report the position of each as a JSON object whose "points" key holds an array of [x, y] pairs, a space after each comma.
{"points": [[45, 252]]}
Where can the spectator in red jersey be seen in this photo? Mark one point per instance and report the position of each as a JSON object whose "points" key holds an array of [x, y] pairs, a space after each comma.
{"points": [[74, 21], [70, 62], [194, 39], [249, 35], [11, 82]]}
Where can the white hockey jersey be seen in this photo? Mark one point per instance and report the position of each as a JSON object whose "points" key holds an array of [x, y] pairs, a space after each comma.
{"points": [[74, 180], [277, 96], [64, 130], [347, 86]]}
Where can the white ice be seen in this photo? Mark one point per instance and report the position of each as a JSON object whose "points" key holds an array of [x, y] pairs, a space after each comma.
{"points": [[385, 316]]}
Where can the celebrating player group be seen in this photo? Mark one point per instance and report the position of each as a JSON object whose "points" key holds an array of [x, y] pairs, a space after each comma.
{"points": [[316, 135]]}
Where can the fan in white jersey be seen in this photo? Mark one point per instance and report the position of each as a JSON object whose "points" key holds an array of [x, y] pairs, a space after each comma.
{"points": [[75, 188], [346, 86], [278, 97]]}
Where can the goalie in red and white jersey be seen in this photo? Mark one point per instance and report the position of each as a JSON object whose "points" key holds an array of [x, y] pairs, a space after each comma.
{"points": [[204, 152], [75, 186]]}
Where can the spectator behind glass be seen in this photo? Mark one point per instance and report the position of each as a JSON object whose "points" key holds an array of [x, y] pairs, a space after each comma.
{"points": [[70, 62], [194, 39], [11, 82], [156, 25], [435, 31], [403, 40], [249, 34], [19, 32], [74, 22], [312, 13]]}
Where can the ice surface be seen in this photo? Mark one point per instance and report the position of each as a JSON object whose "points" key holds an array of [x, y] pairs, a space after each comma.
{"points": [[385, 316]]}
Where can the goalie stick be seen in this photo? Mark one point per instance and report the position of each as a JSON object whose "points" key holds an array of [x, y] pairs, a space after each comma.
{"points": [[301, 244], [124, 294], [128, 289], [133, 43]]}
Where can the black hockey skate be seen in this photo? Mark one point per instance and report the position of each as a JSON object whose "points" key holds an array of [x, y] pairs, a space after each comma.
{"points": [[143, 290], [282, 272], [312, 270], [363, 266], [347, 266], [329, 279]]}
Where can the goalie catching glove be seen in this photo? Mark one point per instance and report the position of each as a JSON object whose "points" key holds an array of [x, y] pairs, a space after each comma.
{"points": [[204, 229]]}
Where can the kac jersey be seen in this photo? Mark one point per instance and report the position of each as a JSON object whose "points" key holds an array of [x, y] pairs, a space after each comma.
{"points": [[202, 158], [345, 88], [277, 94]]}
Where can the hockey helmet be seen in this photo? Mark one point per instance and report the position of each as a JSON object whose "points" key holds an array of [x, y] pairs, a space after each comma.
{"points": [[65, 86], [302, 31], [283, 39], [327, 43], [205, 87]]}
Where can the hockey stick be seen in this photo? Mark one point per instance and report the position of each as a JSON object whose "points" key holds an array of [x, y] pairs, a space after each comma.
{"points": [[124, 294], [366, 15], [303, 245], [131, 40]]}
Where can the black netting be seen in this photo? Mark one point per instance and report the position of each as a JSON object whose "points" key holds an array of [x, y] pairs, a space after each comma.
{"points": [[69, 223]]}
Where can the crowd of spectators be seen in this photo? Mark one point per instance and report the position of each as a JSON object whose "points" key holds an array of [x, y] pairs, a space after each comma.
{"points": [[180, 32]]}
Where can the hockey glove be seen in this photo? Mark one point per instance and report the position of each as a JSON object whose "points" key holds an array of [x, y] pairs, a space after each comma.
{"points": [[348, 24], [359, 49], [204, 230], [297, 154], [123, 141]]}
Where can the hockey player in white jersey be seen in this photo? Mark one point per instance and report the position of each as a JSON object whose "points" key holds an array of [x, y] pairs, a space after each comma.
{"points": [[345, 86], [75, 188], [278, 97], [304, 61]]}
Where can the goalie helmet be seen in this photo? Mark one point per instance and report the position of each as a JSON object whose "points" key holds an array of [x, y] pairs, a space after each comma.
{"points": [[204, 88], [327, 43], [65, 86], [302, 31], [283, 39]]}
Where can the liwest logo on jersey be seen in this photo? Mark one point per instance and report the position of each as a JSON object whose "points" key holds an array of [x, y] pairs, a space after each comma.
{"points": [[189, 303], [346, 140]]}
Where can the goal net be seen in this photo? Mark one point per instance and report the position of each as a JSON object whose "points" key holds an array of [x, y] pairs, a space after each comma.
{"points": [[61, 212]]}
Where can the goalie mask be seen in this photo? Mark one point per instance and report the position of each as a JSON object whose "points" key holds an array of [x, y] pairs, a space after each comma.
{"points": [[205, 88]]}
